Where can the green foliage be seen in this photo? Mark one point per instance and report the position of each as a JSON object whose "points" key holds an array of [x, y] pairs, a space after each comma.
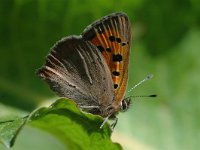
{"points": [[9, 131], [75, 129], [166, 23]]}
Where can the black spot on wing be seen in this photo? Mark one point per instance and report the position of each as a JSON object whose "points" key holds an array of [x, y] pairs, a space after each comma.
{"points": [[115, 86], [115, 73], [117, 57], [100, 48], [112, 38], [108, 49], [123, 43], [118, 40]]}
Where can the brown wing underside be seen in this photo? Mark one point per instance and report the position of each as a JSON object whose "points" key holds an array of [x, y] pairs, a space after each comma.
{"points": [[112, 36], [76, 70]]}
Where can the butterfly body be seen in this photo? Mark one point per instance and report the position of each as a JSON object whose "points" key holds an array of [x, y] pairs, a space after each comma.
{"points": [[92, 69]]}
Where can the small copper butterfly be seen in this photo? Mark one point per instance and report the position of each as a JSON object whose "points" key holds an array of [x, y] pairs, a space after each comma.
{"points": [[92, 69]]}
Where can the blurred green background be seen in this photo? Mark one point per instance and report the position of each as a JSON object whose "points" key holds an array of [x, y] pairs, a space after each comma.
{"points": [[166, 43]]}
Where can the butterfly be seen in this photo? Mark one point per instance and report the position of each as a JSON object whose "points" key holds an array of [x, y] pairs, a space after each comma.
{"points": [[92, 68]]}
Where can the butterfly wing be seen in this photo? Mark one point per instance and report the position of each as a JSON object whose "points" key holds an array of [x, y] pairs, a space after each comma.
{"points": [[112, 36], [75, 69]]}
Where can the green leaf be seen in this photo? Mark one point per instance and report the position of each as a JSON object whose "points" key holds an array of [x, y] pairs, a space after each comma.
{"points": [[9, 131], [74, 128]]}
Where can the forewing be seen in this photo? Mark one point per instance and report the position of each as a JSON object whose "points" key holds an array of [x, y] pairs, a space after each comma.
{"points": [[75, 69], [112, 36]]}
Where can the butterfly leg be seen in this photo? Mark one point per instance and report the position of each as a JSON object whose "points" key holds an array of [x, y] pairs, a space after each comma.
{"points": [[88, 107], [115, 120]]}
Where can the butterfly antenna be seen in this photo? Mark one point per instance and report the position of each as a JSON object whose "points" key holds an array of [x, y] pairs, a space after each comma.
{"points": [[152, 95], [145, 79]]}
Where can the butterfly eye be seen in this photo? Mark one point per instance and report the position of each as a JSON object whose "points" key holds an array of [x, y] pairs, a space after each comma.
{"points": [[125, 104]]}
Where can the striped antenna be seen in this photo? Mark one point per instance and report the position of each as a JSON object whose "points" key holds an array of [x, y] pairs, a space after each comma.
{"points": [[145, 79]]}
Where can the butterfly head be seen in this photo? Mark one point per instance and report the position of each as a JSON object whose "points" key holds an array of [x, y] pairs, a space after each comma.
{"points": [[125, 104], [114, 108]]}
